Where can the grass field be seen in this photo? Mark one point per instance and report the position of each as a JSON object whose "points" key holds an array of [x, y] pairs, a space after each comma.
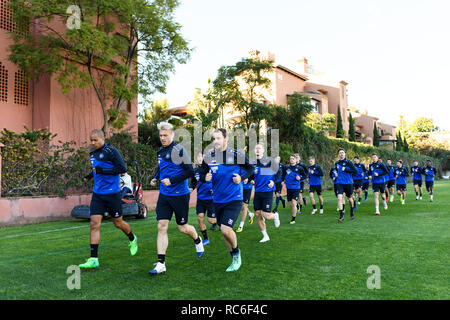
{"points": [[317, 258]]}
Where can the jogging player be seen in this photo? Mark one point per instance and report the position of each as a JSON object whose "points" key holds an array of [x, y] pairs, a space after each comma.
{"points": [[223, 167], [416, 171], [401, 174], [345, 170], [292, 176], [366, 183], [315, 175], [247, 193], [204, 200], [302, 181], [430, 173], [358, 178], [391, 180], [264, 176], [377, 171], [279, 186], [107, 166], [174, 170]]}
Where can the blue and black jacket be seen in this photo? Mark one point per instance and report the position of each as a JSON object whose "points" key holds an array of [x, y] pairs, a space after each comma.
{"points": [[333, 174], [345, 170], [305, 170], [391, 170], [417, 173], [429, 172], [223, 164], [204, 189], [361, 170], [289, 176], [263, 173], [315, 179], [401, 175], [108, 164], [379, 168], [174, 163]]}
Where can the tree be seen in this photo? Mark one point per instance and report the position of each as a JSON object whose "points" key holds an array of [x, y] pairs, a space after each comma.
{"points": [[243, 85], [339, 127], [118, 48], [405, 145], [325, 123], [376, 137], [422, 124], [351, 128], [149, 119], [399, 143]]}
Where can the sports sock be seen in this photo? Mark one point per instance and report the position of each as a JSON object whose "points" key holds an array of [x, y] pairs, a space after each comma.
{"points": [[277, 202], [264, 232], [94, 250], [377, 208], [205, 235], [197, 241], [130, 236], [162, 258], [293, 219], [365, 195], [321, 206], [314, 206], [241, 224], [235, 251]]}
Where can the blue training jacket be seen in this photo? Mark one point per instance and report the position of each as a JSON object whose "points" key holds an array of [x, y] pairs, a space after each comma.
{"points": [[174, 163], [315, 175], [223, 165], [401, 175], [345, 170], [108, 164]]}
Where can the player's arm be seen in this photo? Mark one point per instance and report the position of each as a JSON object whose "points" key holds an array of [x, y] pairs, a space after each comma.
{"points": [[278, 174], [319, 172], [119, 165], [247, 167], [385, 170], [193, 183], [89, 176]]}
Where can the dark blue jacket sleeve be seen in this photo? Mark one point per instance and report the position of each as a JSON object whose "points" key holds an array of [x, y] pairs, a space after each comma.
{"points": [[119, 165]]}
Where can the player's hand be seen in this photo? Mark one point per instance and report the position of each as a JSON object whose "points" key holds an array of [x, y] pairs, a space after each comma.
{"points": [[271, 183], [252, 182], [166, 182], [312, 171], [343, 168], [190, 190], [245, 181], [85, 180], [236, 178], [376, 174], [208, 176], [297, 178], [153, 182]]}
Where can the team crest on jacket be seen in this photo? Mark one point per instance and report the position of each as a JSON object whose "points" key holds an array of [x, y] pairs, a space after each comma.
{"points": [[101, 155]]}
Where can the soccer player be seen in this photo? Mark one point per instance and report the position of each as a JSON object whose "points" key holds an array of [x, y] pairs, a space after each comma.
{"points": [[264, 177], [174, 170], [315, 184], [345, 170], [223, 167], [391, 180], [416, 171], [358, 178], [401, 174], [302, 180], [107, 166], [365, 185], [292, 176], [204, 200], [279, 186], [247, 193], [430, 172], [377, 171]]}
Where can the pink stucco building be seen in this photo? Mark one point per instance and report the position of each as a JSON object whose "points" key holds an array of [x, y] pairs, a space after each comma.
{"points": [[42, 104]]}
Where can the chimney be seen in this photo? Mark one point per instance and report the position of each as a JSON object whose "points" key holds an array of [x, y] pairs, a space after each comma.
{"points": [[268, 56], [303, 65]]}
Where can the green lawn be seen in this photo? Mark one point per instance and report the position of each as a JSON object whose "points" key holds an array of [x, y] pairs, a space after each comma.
{"points": [[317, 258]]}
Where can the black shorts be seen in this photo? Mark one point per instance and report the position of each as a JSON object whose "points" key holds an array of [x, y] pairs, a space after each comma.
{"points": [[227, 213], [315, 188], [205, 206], [365, 186], [378, 187], [292, 194], [335, 189], [357, 184], [111, 203], [401, 187], [167, 205], [263, 201], [302, 185], [246, 195], [346, 189], [417, 182], [429, 184], [278, 187], [391, 184]]}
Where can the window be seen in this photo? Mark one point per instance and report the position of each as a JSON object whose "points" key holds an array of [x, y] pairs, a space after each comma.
{"points": [[20, 88], [3, 83], [315, 105], [6, 22]]}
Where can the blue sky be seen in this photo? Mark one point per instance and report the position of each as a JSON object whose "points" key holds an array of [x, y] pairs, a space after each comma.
{"points": [[394, 54]]}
